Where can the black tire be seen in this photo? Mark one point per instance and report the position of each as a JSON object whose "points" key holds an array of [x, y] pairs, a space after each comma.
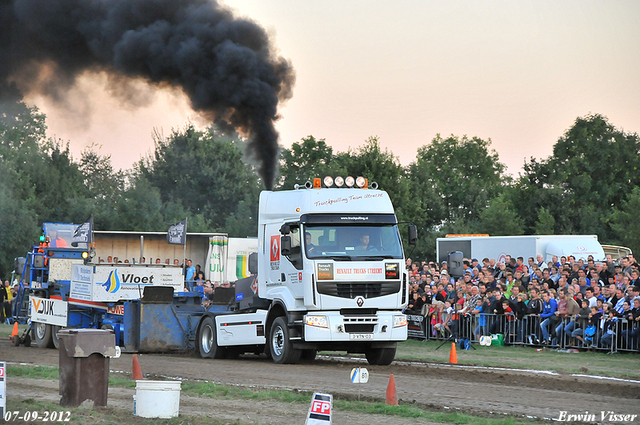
{"points": [[27, 340], [381, 356], [54, 336], [281, 349], [207, 344], [42, 333], [308, 355], [15, 340]]}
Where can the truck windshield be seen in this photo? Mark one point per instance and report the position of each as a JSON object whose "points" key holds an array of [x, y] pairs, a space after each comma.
{"points": [[61, 235], [342, 242]]}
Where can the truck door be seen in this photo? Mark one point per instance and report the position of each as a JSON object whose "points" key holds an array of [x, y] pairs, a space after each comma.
{"points": [[288, 267]]}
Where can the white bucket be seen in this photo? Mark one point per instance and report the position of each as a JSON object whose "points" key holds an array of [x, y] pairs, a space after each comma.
{"points": [[157, 399]]}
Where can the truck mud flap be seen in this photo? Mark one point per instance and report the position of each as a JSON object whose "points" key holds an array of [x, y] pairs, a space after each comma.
{"points": [[158, 294]]}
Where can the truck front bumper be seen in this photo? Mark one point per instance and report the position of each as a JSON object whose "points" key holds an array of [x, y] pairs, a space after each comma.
{"points": [[334, 327]]}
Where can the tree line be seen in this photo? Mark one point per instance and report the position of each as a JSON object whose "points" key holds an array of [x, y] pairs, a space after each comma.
{"points": [[589, 185]]}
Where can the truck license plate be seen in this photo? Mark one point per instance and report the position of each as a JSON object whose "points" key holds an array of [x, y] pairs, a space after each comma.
{"points": [[360, 336]]}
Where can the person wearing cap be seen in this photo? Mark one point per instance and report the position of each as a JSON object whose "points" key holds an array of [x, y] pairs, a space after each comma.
{"points": [[475, 264]]}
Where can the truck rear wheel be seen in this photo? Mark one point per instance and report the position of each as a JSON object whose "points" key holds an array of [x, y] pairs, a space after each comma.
{"points": [[42, 332], [381, 356], [282, 350], [54, 336], [207, 343]]}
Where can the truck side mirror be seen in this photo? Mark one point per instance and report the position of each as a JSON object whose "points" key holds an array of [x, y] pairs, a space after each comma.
{"points": [[18, 265], [413, 234], [285, 245], [253, 263], [285, 229]]}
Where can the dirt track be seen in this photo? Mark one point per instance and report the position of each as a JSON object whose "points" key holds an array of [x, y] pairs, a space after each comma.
{"points": [[436, 386]]}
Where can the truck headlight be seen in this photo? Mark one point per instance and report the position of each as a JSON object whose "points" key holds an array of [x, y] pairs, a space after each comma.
{"points": [[399, 321], [317, 321]]}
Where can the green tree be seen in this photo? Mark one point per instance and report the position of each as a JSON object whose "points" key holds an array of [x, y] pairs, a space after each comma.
{"points": [[140, 208], [459, 175], [308, 159], [18, 227], [60, 190], [105, 187], [202, 172], [22, 131], [380, 166], [593, 168], [500, 218], [546, 223], [625, 223]]}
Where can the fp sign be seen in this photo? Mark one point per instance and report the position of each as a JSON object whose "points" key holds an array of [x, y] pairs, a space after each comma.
{"points": [[320, 410]]}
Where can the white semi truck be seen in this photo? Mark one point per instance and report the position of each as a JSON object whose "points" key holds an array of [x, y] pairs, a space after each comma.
{"points": [[498, 247], [330, 276]]}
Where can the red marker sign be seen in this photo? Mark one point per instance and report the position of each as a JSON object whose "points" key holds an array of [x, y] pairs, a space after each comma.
{"points": [[275, 248], [320, 410]]}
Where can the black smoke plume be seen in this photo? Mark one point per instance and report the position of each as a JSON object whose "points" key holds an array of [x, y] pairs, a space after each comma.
{"points": [[226, 65]]}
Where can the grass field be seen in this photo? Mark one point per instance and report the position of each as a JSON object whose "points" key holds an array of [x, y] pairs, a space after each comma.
{"points": [[619, 365], [81, 415], [594, 363]]}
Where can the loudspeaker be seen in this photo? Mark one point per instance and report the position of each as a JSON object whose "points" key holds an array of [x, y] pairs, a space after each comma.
{"points": [[454, 264]]}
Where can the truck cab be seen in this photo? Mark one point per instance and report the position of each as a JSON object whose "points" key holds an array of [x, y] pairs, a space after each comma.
{"points": [[331, 267]]}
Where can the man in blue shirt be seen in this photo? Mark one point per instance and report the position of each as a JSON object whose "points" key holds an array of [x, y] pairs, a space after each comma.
{"points": [[190, 273], [549, 308]]}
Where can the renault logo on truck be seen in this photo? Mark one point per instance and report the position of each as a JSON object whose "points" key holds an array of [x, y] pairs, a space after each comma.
{"points": [[359, 301]]}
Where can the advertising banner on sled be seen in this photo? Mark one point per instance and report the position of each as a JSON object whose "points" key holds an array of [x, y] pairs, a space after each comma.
{"points": [[417, 328], [109, 283], [49, 311]]}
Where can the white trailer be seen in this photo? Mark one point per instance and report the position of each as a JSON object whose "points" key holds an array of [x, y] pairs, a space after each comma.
{"points": [[498, 247]]}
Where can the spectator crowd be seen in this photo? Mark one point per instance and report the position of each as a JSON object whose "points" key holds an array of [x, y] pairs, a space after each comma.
{"points": [[563, 303]]}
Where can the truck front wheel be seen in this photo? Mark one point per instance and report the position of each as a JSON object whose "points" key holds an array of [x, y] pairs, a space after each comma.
{"points": [[207, 343], [42, 332], [381, 356], [282, 350]]}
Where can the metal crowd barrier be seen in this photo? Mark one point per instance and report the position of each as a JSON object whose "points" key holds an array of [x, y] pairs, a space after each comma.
{"points": [[564, 333]]}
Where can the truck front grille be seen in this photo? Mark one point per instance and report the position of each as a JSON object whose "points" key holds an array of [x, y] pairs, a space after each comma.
{"points": [[360, 324], [354, 289], [358, 328]]}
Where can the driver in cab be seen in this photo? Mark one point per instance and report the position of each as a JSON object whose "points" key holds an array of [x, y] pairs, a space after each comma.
{"points": [[307, 243], [55, 240], [364, 244]]}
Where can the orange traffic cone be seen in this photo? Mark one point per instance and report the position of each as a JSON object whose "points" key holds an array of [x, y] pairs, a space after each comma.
{"points": [[392, 397], [137, 372], [15, 329], [453, 357]]}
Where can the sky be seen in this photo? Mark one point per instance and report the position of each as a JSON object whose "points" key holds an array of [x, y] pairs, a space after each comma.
{"points": [[516, 72]]}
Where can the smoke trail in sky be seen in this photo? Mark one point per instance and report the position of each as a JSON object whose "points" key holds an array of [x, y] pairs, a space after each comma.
{"points": [[226, 65]]}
